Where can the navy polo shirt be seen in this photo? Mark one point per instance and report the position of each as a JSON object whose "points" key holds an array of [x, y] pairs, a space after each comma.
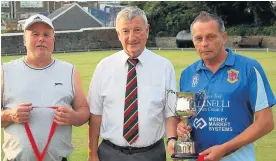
{"points": [[237, 90]]}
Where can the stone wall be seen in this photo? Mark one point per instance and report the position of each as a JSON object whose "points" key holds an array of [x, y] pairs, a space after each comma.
{"points": [[170, 42], [166, 42], [67, 41], [268, 41], [231, 40], [99, 38]]}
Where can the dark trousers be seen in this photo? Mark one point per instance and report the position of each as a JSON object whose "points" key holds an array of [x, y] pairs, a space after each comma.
{"points": [[107, 152]]}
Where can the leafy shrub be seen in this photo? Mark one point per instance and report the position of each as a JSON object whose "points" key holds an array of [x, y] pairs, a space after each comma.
{"points": [[248, 30]]}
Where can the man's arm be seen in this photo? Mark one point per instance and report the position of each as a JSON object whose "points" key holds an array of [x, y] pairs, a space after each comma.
{"points": [[5, 118], [258, 85], [95, 102], [80, 104], [19, 114], [171, 120], [171, 124], [263, 125], [93, 137], [77, 116]]}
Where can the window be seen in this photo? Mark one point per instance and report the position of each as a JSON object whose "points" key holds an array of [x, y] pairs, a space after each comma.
{"points": [[26, 15], [5, 15], [31, 4], [5, 4]]}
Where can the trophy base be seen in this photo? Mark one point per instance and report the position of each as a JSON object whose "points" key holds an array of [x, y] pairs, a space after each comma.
{"points": [[184, 156]]}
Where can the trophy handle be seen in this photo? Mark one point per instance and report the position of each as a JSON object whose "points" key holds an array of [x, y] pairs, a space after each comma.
{"points": [[205, 97], [166, 100]]}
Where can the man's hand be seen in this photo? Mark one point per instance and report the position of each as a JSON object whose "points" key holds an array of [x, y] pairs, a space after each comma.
{"points": [[20, 114], [171, 146], [64, 115], [214, 153], [183, 130]]}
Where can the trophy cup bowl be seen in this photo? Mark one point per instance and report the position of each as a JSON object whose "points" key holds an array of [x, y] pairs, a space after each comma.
{"points": [[185, 109]]}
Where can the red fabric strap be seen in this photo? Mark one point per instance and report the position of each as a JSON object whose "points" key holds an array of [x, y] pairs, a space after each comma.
{"points": [[201, 158], [40, 156], [53, 107]]}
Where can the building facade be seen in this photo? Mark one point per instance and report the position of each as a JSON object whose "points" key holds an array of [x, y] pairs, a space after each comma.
{"points": [[23, 9]]}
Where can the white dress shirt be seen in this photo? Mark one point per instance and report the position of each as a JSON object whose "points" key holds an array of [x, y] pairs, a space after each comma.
{"points": [[106, 96]]}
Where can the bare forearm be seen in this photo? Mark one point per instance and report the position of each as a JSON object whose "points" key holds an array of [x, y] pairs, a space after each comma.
{"points": [[255, 131], [80, 117], [94, 132], [171, 124], [80, 104], [5, 118]]}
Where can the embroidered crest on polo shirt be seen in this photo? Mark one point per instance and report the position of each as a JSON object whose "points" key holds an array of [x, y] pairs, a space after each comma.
{"points": [[195, 80], [232, 75]]}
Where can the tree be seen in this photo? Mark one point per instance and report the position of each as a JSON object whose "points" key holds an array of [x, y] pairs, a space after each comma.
{"points": [[167, 18], [262, 12]]}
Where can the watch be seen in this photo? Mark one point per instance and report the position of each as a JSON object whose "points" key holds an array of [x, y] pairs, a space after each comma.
{"points": [[171, 138]]}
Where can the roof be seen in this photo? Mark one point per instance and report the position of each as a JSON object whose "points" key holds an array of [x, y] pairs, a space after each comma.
{"points": [[68, 18], [59, 12]]}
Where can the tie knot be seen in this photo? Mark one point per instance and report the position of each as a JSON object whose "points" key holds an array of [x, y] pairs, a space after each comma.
{"points": [[132, 62]]}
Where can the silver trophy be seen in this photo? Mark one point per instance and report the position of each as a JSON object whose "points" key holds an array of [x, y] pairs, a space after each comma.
{"points": [[187, 105]]}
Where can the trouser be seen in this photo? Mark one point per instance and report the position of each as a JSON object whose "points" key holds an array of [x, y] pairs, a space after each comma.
{"points": [[109, 152]]}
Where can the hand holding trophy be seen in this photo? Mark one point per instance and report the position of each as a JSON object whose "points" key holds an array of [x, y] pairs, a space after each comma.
{"points": [[185, 108]]}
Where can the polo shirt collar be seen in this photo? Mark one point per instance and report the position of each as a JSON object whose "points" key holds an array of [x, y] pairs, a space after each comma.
{"points": [[230, 60]]}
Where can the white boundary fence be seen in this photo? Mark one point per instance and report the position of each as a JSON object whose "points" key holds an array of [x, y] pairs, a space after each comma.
{"points": [[159, 48], [233, 49]]}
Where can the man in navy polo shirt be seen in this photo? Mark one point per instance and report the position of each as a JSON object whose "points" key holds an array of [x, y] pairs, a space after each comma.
{"points": [[237, 92]]}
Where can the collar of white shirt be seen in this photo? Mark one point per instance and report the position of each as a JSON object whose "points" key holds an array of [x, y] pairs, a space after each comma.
{"points": [[142, 57]]}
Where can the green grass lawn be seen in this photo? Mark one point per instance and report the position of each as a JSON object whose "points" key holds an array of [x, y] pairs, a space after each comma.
{"points": [[86, 63]]}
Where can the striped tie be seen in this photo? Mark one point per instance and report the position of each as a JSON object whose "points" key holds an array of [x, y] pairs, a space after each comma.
{"points": [[131, 132]]}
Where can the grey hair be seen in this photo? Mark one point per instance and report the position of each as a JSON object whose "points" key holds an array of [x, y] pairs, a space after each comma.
{"points": [[130, 13], [205, 17]]}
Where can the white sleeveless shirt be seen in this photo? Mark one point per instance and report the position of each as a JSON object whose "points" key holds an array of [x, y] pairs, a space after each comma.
{"points": [[49, 86]]}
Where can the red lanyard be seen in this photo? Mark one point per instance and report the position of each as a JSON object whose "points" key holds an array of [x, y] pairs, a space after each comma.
{"points": [[201, 158], [40, 156]]}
